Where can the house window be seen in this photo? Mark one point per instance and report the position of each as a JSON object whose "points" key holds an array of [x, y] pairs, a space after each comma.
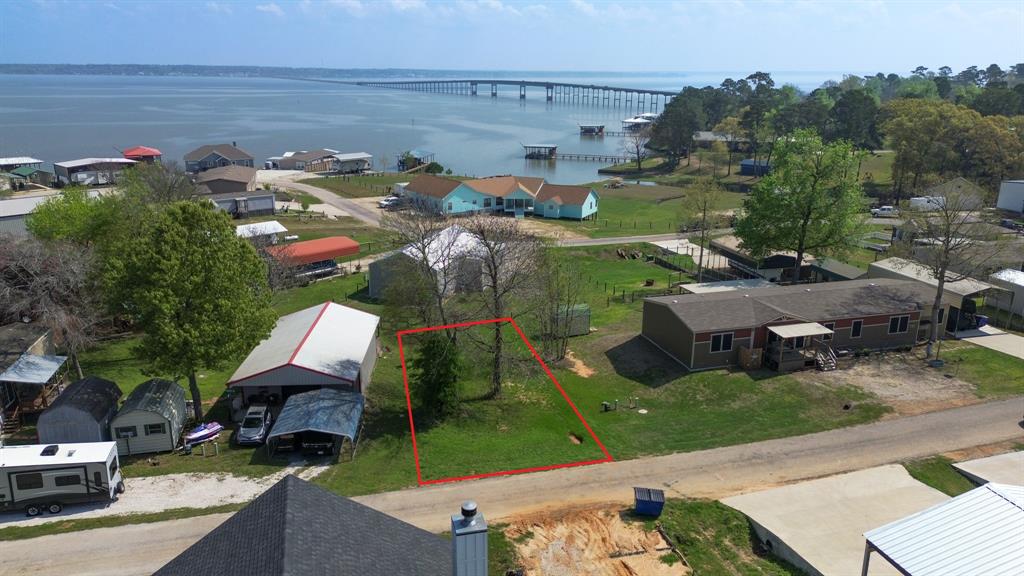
{"points": [[474, 201], [449, 206], [858, 325], [29, 481], [487, 202], [126, 432], [67, 480], [721, 342], [155, 429], [898, 324], [828, 337]]}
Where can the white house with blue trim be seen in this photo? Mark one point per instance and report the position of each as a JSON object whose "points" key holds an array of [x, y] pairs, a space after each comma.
{"points": [[512, 195]]}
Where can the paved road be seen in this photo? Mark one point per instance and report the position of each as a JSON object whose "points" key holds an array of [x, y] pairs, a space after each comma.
{"points": [[710, 473], [369, 215]]}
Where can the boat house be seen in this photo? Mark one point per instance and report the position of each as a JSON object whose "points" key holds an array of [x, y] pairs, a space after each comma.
{"points": [[82, 413], [328, 345], [90, 171], [540, 151], [151, 418]]}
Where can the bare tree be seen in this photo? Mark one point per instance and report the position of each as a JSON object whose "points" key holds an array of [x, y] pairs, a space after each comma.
{"points": [[157, 183], [558, 293], [436, 251], [508, 259], [698, 207], [280, 262], [634, 145], [953, 241], [53, 282]]}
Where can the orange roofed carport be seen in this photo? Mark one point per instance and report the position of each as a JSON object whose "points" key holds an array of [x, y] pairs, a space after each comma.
{"points": [[310, 251]]}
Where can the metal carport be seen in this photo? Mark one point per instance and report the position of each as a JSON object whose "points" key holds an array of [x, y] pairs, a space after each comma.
{"points": [[325, 411]]}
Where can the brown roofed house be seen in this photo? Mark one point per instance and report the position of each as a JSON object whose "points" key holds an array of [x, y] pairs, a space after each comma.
{"points": [[215, 155], [788, 328]]}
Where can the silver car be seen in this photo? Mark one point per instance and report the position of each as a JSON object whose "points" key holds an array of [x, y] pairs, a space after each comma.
{"points": [[254, 427]]}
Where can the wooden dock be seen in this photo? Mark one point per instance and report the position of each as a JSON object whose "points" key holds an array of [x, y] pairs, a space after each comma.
{"points": [[605, 158]]}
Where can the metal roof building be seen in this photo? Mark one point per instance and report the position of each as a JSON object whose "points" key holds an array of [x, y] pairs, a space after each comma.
{"points": [[82, 413], [327, 411], [978, 532], [256, 229], [325, 345]]}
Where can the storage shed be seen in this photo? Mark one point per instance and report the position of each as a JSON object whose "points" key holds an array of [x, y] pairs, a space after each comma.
{"points": [[82, 413], [1011, 297], [329, 345], [573, 321], [151, 418], [318, 421]]}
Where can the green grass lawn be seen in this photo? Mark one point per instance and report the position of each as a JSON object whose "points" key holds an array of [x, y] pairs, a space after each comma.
{"points": [[638, 209], [629, 166], [528, 425], [289, 195], [716, 539], [358, 186], [993, 373], [938, 472]]}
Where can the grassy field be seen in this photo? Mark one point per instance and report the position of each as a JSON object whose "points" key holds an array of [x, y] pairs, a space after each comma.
{"points": [[716, 539], [641, 209], [994, 374], [938, 472], [528, 425], [289, 195], [358, 186]]}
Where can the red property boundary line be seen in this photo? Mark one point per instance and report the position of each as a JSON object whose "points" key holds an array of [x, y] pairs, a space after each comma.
{"points": [[412, 425]]}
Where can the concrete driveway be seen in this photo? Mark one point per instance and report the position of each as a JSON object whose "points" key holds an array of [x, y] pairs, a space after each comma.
{"points": [[995, 339]]}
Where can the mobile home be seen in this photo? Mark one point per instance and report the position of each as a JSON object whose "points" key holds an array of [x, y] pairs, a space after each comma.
{"points": [[42, 477]]}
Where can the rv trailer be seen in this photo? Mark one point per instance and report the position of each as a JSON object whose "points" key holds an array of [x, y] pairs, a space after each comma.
{"points": [[42, 477]]}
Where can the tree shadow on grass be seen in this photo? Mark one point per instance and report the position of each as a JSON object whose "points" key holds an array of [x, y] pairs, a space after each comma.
{"points": [[638, 360]]}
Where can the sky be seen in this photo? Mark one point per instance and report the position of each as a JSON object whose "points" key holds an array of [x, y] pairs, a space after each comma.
{"points": [[858, 37]]}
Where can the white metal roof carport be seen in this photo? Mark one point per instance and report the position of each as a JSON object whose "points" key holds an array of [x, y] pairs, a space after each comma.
{"points": [[978, 532]]}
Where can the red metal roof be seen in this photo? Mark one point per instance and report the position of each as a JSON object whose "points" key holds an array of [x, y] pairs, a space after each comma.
{"points": [[141, 152], [309, 251]]}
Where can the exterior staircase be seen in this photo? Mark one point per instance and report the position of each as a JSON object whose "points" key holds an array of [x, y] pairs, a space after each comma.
{"points": [[826, 359], [11, 422]]}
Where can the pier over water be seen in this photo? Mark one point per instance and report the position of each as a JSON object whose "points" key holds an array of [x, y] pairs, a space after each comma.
{"points": [[587, 94]]}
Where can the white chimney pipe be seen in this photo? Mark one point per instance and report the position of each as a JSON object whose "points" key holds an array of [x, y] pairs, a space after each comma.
{"points": [[469, 542]]}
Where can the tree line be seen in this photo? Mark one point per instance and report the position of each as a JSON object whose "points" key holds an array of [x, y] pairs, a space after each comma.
{"points": [[148, 257], [938, 123]]}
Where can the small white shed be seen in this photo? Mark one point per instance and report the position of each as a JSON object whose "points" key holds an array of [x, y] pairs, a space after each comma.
{"points": [[151, 418], [1011, 297]]}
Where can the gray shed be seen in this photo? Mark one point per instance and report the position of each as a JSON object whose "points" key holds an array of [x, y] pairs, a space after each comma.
{"points": [[82, 413], [151, 418]]}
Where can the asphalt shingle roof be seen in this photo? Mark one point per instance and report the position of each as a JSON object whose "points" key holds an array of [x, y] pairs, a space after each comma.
{"points": [[809, 302], [433, 186], [226, 150], [296, 528]]}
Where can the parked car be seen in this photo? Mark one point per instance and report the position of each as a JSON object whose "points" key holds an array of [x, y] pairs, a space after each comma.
{"points": [[885, 212], [254, 427], [389, 202]]}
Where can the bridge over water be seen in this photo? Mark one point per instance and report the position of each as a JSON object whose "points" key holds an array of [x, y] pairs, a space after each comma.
{"points": [[588, 94]]}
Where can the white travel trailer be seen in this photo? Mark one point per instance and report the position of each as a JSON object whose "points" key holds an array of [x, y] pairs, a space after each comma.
{"points": [[38, 477]]}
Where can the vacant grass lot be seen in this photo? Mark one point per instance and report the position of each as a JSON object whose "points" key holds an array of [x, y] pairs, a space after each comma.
{"points": [[308, 227], [638, 209], [358, 186], [938, 472], [994, 374], [718, 540], [528, 425]]}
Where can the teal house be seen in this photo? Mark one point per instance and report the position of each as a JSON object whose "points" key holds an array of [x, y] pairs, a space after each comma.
{"points": [[512, 195]]}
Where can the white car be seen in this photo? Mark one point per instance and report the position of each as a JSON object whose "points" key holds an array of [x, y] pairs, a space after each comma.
{"points": [[885, 212], [388, 202]]}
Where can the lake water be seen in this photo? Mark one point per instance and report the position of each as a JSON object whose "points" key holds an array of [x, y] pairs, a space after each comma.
{"points": [[59, 118]]}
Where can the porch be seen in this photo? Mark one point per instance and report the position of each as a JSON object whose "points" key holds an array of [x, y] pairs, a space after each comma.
{"points": [[799, 346], [29, 386]]}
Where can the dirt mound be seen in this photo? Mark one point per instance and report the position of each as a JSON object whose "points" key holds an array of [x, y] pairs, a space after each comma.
{"points": [[596, 542]]}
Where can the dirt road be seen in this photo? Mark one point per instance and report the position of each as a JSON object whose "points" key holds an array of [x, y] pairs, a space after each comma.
{"points": [[710, 473]]}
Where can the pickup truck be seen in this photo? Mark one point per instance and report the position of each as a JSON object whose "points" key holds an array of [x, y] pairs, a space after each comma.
{"points": [[885, 212]]}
